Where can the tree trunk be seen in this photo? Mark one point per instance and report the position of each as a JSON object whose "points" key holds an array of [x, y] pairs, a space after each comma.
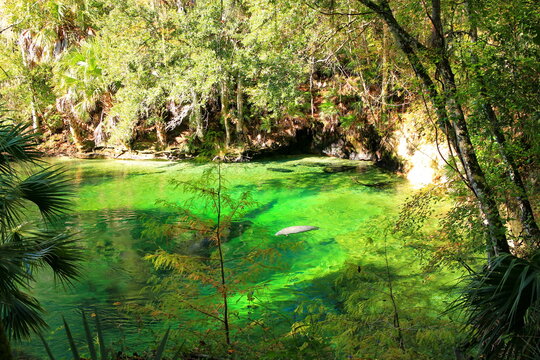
{"points": [[75, 133], [239, 106], [526, 214], [472, 168], [26, 64], [35, 118], [454, 125], [225, 111], [223, 289], [475, 175], [65, 107], [312, 100], [161, 134], [197, 115], [384, 80]]}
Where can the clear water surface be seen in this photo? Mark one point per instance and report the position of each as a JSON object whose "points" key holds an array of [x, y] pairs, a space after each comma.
{"points": [[115, 199]]}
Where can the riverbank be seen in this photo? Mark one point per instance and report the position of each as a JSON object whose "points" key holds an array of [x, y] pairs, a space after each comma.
{"points": [[420, 163]]}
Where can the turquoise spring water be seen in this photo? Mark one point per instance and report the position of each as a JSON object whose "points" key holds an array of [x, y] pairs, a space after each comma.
{"points": [[116, 199]]}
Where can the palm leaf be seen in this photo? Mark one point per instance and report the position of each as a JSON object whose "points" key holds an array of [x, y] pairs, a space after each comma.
{"points": [[60, 253], [49, 190], [17, 143], [102, 348], [24, 251], [162, 344], [502, 308], [72, 345], [89, 338], [19, 259], [21, 314], [46, 346]]}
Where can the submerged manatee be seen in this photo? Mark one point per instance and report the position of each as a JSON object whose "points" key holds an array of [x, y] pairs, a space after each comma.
{"points": [[280, 170], [339, 168], [295, 229]]}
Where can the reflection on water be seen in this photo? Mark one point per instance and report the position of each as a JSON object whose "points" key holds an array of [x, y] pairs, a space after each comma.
{"points": [[116, 198]]}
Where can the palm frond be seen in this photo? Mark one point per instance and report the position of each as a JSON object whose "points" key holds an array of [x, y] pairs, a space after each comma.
{"points": [[12, 274], [19, 260], [23, 248], [101, 339], [17, 143], [49, 190], [46, 346], [502, 308], [89, 337], [57, 251], [72, 344], [21, 314]]}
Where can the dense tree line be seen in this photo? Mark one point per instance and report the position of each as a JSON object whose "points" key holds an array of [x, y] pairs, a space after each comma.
{"points": [[175, 73], [209, 76]]}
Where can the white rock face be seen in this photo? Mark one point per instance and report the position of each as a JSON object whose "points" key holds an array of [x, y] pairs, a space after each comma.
{"points": [[424, 162]]}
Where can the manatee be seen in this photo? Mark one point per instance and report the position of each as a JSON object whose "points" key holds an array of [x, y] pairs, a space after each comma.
{"points": [[380, 184], [280, 170], [238, 228], [295, 229], [339, 168], [328, 242]]}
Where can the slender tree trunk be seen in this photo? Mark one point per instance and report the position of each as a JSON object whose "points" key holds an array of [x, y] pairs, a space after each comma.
{"points": [[452, 122], [33, 110], [5, 349], [384, 80], [222, 263], [239, 106], [225, 111], [161, 134], [397, 324], [75, 132], [472, 168], [197, 115], [526, 214], [35, 118], [475, 175], [312, 100]]}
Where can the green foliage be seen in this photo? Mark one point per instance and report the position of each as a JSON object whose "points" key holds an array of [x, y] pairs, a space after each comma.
{"points": [[79, 80], [443, 234], [72, 345], [264, 69], [378, 312], [189, 289], [103, 351], [27, 246], [501, 304], [89, 338], [205, 277]]}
